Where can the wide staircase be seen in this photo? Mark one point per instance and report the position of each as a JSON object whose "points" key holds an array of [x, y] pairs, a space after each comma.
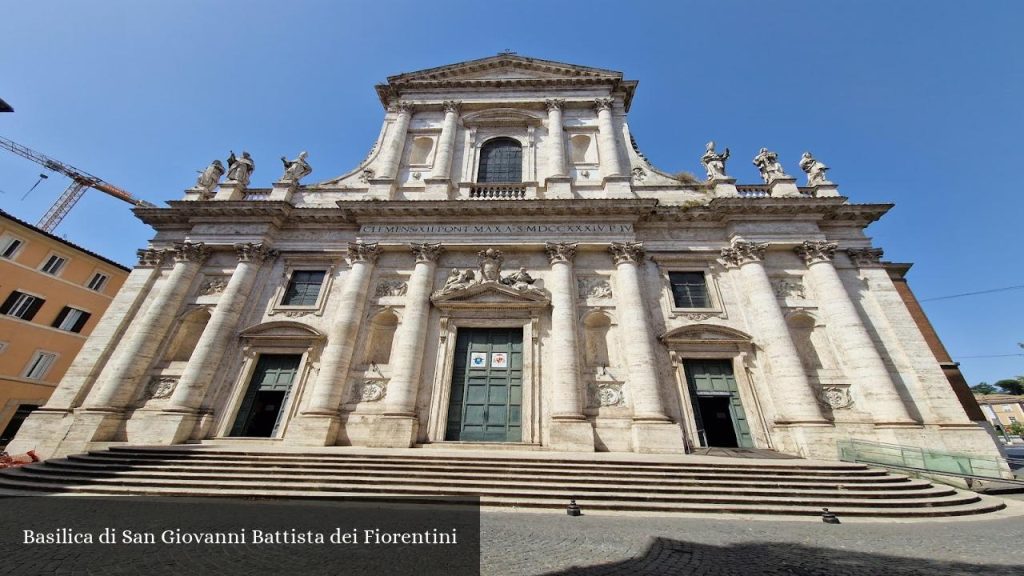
{"points": [[671, 484]]}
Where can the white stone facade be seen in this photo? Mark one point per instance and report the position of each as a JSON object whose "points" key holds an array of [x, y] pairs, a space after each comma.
{"points": [[797, 305]]}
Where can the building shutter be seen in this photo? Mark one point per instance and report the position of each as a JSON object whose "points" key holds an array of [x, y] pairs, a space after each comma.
{"points": [[34, 307], [81, 322], [9, 303], [61, 316]]}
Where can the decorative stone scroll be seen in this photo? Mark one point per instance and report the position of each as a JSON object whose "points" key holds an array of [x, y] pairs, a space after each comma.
{"points": [[865, 257], [214, 285], [190, 252], [369, 390], [606, 394], [627, 252], [363, 252], [161, 387], [789, 288], [816, 251], [836, 397], [391, 288], [744, 252]]}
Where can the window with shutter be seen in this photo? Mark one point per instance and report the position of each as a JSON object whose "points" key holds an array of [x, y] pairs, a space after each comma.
{"points": [[71, 319], [303, 288], [21, 305], [54, 264]]}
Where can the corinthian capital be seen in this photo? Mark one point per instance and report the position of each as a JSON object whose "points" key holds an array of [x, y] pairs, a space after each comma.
{"points": [[403, 107], [427, 252], [603, 104], [816, 251], [254, 252], [741, 253], [151, 257], [190, 252], [451, 106], [363, 252], [554, 103], [627, 252], [560, 252], [865, 257]]}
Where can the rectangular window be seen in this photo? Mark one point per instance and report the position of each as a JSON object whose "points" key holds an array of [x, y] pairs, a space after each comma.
{"points": [[71, 319], [303, 288], [39, 365], [9, 246], [689, 290], [21, 305], [54, 264], [99, 280]]}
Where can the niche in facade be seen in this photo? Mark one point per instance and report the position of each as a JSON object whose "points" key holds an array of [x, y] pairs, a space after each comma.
{"points": [[422, 146], [381, 337], [583, 151], [599, 340], [190, 329], [812, 344]]}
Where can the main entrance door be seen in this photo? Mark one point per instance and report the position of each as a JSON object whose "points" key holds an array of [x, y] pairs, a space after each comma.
{"points": [[268, 391], [721, 420], [487, 386]]}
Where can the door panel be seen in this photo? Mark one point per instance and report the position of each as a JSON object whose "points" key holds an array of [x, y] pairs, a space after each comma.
{"points": [[715, 379], [486, 392], [269, 389]]}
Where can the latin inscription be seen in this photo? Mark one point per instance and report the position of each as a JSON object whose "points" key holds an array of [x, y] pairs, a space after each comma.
{"points": [[472, 229]]}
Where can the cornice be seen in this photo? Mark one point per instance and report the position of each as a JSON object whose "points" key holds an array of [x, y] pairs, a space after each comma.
{"points": [[631, 209], [185, 211], [727, 209]]}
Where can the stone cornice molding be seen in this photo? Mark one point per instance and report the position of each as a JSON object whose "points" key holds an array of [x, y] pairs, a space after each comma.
{"points": [[254, 252], [151, 257], [865, 257], [451, 106], [361, 210], [427, 252], [363, 252], [741, 253], [191, 252], [554, 104], [560, 252], [816, 251], [185, 212], [623, 252]]}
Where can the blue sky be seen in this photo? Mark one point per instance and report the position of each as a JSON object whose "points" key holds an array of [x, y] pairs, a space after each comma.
{"points": [[916, 103]]}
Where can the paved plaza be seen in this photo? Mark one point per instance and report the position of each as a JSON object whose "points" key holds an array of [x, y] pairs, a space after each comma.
{"points": [[552, 544]]}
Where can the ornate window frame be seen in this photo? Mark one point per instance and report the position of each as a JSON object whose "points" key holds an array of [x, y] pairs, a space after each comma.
{"points": [[693, 263], [304, 262]]}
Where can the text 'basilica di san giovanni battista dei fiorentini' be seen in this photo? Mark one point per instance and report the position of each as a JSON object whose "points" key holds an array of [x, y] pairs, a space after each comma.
{"points": [[505, 266]]}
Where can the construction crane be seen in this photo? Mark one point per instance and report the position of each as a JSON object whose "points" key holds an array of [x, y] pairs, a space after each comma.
{"points": [[79, 182]]}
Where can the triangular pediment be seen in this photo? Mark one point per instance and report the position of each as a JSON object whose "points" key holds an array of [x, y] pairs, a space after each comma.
{"points": [[705, 333], [490, 294], [505, 67]]}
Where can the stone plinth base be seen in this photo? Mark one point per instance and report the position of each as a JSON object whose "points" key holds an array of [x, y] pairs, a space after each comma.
{"points": [[161, 428], [43, 431], [393, 432], [826, 191], [439, 188], [724, 188], [283, 190], [381, 189], [618, 187], [658, 438], [558, 188], [784, 188], [313, 430], [571, 436], [230, 190]]}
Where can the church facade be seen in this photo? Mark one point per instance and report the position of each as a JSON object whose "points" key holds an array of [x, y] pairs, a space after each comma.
{"points": [[506, 267]]}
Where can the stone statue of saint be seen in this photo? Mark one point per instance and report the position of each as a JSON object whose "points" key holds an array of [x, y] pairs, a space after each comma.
{"points": [[210, 177], [768, 164], [520, 280], [458, 280], [714, 163], [815, 170], [240, 169], [295, 170]]}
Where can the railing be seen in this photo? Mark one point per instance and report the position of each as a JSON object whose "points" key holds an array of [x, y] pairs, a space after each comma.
{"points": [[498, 191], [257, 195], [764, 191], [910, 458]]}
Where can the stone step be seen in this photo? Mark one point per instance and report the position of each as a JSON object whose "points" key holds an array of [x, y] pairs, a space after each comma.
{"points": [[453, 473], [922, 489], [974, 505]]}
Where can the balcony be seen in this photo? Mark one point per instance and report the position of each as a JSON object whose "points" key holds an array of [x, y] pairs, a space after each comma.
{"points": [[501, 190]]}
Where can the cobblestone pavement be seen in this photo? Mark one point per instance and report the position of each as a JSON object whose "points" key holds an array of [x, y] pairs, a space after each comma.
{"points": [[555, 544]]}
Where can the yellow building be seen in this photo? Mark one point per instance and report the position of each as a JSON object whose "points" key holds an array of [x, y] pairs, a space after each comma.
{"points": [[52, 293], [1002, 409]]}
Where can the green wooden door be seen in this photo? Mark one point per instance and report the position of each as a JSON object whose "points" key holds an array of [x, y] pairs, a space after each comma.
{"points": [[265, 398], [487, 386], [708, 378]]}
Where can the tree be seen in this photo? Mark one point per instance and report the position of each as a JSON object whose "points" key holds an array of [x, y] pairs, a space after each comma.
{"points": [[1012, 385], [983, 388]]}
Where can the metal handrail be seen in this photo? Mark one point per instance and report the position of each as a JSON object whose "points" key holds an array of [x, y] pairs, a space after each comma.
{"points": [[926, 460]]}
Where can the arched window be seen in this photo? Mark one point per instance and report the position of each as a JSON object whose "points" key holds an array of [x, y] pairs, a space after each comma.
{"points": [[501, 160]]}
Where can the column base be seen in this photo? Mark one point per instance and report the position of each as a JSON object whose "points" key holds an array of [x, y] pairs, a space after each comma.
{"points": [[439, 188], [381, 189], [161, 428], [571, 435], [618, 186], [658, 438], [393, 431], [313, 430], [44, 431], [558, 188]]}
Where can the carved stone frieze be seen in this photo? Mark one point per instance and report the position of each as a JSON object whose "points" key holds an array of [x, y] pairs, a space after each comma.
{"points": [[865, 257], [597, 288], [391, 288], [369, 390], [789, 288], [741, 253], [488, 273], [639, 175], [363, 252], [815, 251], [161, 387], [560, 252], [627, 252], [836, 397], [699, 316], [606, 394], [427, 252], [213, 285]]}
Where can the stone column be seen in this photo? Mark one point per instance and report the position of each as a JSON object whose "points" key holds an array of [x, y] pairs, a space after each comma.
{"points": [[607, 145], [399, 425], [318, 424], [864, 366], [569, 429], [556, 136], [392, 154], [176, 424], [652, 429], [446, 144], [794, 399], [118, 382]]}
